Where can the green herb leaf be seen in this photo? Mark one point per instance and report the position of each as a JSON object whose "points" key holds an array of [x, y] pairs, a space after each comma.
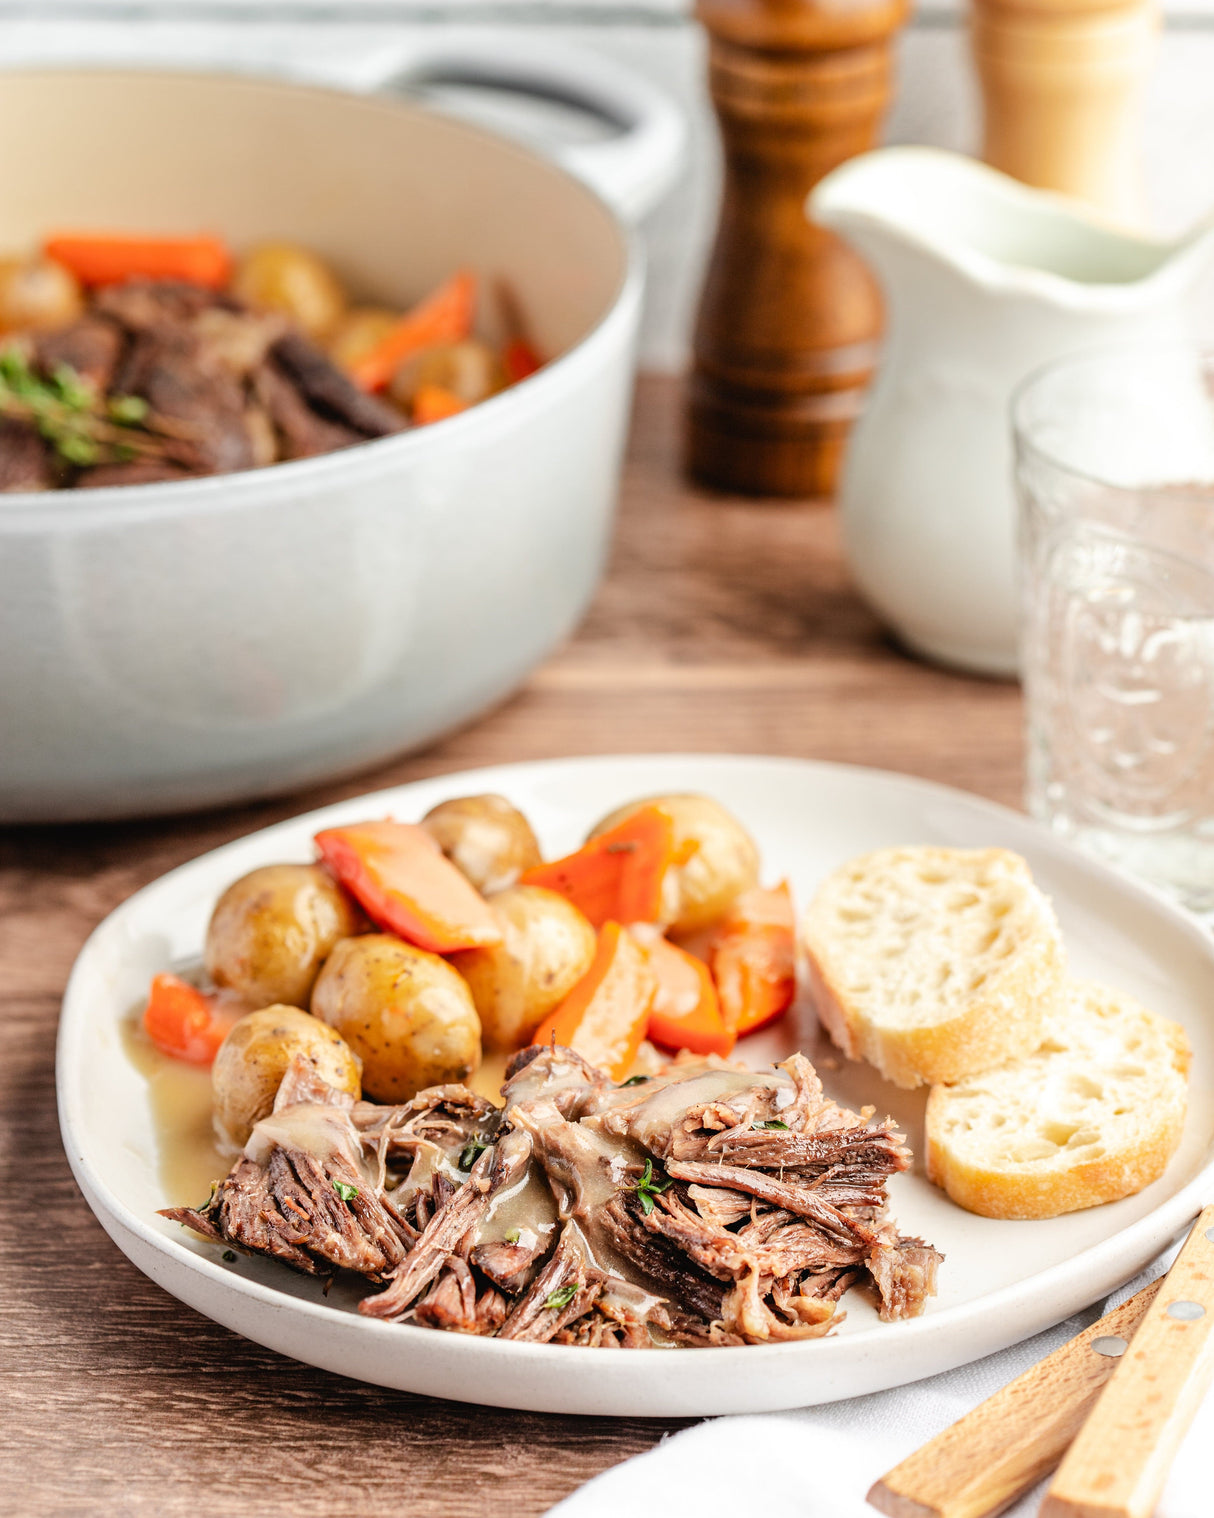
{"points": [[128, 408], [634, 1080], [73, 416], [345, 1190], [513, 1236], [74, 392], [649, 1186], [470, 1153], [561, 1297], [773, 1123], [76, 448], [229, 1256]]}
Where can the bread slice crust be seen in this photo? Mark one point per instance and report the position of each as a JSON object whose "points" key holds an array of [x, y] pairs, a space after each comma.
{"points": [[933, 963], [1114, 1072]]}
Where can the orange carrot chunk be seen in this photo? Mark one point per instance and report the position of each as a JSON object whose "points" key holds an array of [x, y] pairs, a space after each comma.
{"points": [[434, 403], [685, 1013], [519, 359], [445, 316], [754, 959], [107, 258], [405, 884], [605, 1016], [618, 875], [184, 1022]]}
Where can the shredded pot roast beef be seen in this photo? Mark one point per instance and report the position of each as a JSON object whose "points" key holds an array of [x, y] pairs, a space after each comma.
{"points": [[160, 380], [707, 1205]]}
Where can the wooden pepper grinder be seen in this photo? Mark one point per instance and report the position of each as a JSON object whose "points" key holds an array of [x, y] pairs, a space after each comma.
{"points": [[785, 338], [1062, 88]]}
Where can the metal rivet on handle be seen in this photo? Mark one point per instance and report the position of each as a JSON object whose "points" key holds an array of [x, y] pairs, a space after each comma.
{"points": [[1186, 1311], [1111, 1345]]}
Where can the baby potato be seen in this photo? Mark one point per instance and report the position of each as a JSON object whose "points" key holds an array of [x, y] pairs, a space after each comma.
{"points": [[406, 1013], [486, 837], [253, 1059], [272, 929], [358, 331], [547, 946], [470, 370], [281, 276], [719, 859], [38, 293]]}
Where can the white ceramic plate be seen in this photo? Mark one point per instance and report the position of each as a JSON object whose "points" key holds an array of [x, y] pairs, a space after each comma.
{"points": [[1000, 1281]]}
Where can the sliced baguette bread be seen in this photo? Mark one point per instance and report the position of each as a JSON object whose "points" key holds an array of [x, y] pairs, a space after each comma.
{"points": [[1093, 1115], [933, 963]]}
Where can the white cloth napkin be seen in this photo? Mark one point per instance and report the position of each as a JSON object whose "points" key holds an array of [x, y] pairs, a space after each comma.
{"points": [[819, 1462]]}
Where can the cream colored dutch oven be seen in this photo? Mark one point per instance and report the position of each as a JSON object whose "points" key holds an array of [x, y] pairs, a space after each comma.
{"points": [[175, 646]]}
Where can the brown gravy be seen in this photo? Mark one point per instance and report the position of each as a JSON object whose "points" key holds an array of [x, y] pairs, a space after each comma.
{"points": [[188, 1159], [180, 1098]]}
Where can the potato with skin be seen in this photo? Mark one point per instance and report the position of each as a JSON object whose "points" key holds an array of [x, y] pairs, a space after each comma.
{"points": [[406, 1013], [272, 929], [38, 293], [485, 837], [253, 1059], [547, 946], [281, 276], [470, 370], [358, 331], [715, 859]]}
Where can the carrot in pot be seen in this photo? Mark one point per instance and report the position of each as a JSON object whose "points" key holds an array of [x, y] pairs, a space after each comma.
{"points": [[605, 1016], [519, 359], [445, 316], [519, 356], [754, 959], [685, 1013], [184, 1022], [434, 403], [618, 875], [107, 258], [405, 883]]}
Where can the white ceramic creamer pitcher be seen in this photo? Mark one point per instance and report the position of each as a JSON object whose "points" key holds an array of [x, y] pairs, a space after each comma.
{"points": [[985, 280]]}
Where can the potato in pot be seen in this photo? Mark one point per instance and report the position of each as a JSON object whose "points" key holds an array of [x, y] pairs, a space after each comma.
{"points": [[38, 293], [486, 837], [253, 1059], [547, 947], [272, 929], [281, 276], [358, 331], [406, 1013], [715, 859]]}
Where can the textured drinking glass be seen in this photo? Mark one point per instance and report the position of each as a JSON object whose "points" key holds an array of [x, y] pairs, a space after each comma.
{"points": [[1115, 472]]}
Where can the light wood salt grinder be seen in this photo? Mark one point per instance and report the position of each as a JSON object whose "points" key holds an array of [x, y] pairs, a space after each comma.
{"points": [[1062, 86], [785, 339]]}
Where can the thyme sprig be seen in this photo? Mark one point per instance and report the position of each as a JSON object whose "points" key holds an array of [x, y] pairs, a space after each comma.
{"points": [[649, 1186], [81, 424]]}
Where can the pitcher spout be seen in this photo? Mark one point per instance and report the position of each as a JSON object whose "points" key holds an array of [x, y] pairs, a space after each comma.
{"points": [[992, 231]]}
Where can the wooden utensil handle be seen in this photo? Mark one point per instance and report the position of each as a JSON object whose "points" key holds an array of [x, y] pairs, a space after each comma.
{"points": [[984, 1461], [1118, 1463]]}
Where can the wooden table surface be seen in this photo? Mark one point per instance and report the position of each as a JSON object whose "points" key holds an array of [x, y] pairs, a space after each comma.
{"points": [[723, 626]]}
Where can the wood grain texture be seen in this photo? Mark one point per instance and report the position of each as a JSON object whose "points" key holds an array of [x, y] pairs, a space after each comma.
{"points": [[1063, 88], [723, 625], [979, 1465], [1120, 1459], [785, 339]]}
